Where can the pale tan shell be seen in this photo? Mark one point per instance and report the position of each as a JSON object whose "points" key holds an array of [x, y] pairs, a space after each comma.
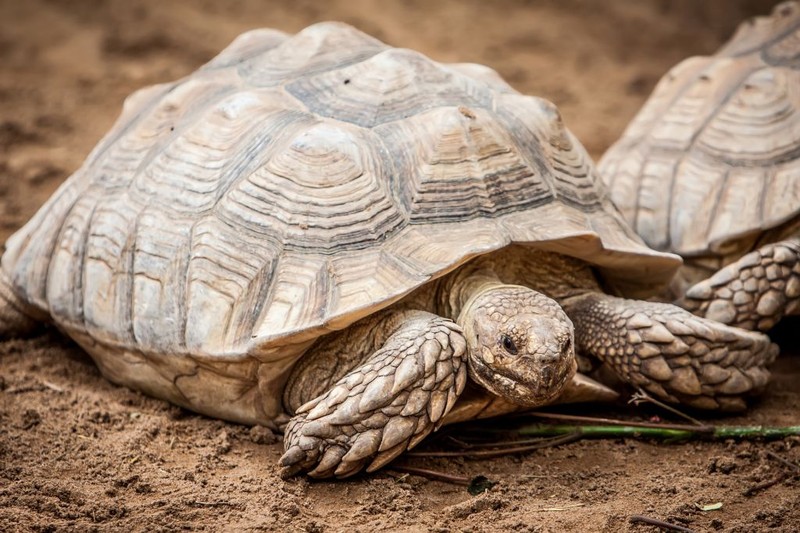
{"points": [[288, 188], [713, 158]]}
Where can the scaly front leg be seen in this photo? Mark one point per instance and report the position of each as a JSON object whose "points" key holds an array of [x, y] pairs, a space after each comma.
{"points": [[671, 353], [382, 407]]}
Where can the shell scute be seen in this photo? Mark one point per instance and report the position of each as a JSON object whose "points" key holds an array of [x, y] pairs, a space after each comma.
{"points": [[317, 48], [390, 85], [450, 167]]}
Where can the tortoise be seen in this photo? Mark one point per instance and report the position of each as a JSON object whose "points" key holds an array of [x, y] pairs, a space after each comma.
{"points": [[710, 169], [326, 235]]}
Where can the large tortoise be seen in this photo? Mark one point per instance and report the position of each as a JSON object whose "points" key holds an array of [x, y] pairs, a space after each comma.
{"points": [[327, 228], [710, 169]]}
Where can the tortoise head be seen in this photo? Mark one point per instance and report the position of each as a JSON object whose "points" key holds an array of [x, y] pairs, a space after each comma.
{"points": [[520, 343]]}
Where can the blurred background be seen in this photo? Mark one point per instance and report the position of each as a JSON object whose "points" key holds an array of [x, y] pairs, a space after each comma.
{"points": [[71, 443], [67, 65]]}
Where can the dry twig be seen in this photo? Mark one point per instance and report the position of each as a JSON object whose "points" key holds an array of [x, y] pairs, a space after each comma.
{"points": [[659, 523], [764, 485], [432, 474], [506, 448], [641, 396], [613, 422], [778, 458]]}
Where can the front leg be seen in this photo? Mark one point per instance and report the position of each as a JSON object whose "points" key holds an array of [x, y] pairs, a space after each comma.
{"points": [[393, 399], [754, 292], [671, 353]]}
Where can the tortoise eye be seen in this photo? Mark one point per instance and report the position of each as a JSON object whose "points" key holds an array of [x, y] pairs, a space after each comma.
{"points": [[509, 345]]}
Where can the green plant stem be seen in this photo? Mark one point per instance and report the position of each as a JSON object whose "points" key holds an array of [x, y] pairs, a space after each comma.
{"points": [[614, 431]]}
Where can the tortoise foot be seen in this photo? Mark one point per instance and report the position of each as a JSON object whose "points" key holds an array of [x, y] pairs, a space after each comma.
{"points": [[755, 292]]}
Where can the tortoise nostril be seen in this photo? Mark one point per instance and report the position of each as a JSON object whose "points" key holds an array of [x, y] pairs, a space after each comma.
{"points": [[549, 357]]}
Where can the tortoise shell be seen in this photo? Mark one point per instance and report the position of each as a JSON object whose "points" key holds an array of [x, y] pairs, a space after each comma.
{"points": [[288, 188], [712, 161]]}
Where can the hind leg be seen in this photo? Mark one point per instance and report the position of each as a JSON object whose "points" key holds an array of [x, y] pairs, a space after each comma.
{"points": [[14, 320], [755, 292]]}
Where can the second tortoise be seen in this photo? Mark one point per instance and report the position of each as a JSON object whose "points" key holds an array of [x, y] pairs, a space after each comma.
{"points": [[710, 169]]}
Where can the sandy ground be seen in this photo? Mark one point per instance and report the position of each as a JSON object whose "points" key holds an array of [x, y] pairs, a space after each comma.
{"points": [[78, 453]]}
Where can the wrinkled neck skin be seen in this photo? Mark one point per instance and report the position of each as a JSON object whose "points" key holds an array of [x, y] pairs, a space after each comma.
{"points": [[520, 342], [466, 286]]}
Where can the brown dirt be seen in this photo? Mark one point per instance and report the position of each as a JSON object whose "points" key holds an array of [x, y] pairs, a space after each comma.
{"points": [[78, 453]]}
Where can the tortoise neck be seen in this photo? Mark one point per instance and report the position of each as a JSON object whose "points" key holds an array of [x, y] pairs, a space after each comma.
{"points": [[465, 285]]}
